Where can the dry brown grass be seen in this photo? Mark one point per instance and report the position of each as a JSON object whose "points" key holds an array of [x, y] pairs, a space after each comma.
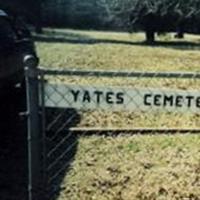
{"points": [[135, 168], [130, 167]]}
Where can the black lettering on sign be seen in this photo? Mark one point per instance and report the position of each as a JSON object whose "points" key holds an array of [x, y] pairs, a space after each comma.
{"points": [[86, 97], [120, 98], [168, 100], [98, 94], [198, 102], [146, 99], [157, 100], [109, 97], [75, 94], [189, 100], [179, 101]]}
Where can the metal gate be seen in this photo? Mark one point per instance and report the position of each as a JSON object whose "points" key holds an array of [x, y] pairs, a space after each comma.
{"points": [[64, 105]]}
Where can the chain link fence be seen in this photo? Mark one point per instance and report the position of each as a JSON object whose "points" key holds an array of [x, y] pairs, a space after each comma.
{"points": [[79, 104], [123, 100]]}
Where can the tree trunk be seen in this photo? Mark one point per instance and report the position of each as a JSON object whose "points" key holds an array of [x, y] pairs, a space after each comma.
{"points": [[38, 28], [38, 16], [150, 37], [179, 35], [180, 31]]}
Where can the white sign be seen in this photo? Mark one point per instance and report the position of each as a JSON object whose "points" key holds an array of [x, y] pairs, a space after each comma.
{"points": [[121, 99]]}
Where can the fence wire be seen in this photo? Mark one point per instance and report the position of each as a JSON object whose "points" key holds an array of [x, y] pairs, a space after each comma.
{"points": [[81, 103], [122, 100]]}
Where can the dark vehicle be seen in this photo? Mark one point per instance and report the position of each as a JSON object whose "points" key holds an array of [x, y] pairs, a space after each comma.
{"points": [[16, 51]]}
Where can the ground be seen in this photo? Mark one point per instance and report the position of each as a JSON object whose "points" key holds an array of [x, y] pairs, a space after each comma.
{"points": [[110, 50], [135, 168], [154, 167]]}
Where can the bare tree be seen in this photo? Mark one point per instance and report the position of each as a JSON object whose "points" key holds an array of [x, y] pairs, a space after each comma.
{"points": [[164, 15], [117, 11]]}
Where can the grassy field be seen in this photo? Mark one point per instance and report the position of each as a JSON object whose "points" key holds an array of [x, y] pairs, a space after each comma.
{"points": [[135, 168], [108, 50], [129, 167]]}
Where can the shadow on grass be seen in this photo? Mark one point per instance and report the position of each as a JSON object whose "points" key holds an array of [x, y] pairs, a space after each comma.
{"points": [[79, 38], [61, 147], [13, 146], [181, 45]]}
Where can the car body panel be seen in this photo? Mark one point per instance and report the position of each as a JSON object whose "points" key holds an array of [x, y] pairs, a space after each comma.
{"points": [[15, 44]]}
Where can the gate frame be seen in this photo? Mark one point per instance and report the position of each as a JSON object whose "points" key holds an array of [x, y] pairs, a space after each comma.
{"points": [[35, 139]]}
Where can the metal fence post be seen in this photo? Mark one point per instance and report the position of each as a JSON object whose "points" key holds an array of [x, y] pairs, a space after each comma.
{"points": [[34, 137]]}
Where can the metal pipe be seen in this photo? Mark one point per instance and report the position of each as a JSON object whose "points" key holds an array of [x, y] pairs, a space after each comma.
{"points": [[133, 74]]}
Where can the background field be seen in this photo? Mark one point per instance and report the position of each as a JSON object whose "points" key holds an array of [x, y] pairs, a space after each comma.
{"points": [[110, 50], [90, 50], [128, 167]]}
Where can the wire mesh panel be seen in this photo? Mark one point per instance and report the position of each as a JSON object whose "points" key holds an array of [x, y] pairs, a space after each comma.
{"points": [[80, 103], [124, 100]]}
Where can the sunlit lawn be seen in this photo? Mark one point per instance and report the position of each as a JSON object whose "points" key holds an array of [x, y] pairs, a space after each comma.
{"points": [[110, 50], [129, 167]]}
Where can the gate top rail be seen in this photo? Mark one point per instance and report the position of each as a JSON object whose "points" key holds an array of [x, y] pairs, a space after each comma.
{"points": [[127, 74]]}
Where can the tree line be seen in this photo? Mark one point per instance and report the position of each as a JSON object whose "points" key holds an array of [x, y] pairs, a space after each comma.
{"points": [[166, 15], [30, 10], [151, 16]]}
